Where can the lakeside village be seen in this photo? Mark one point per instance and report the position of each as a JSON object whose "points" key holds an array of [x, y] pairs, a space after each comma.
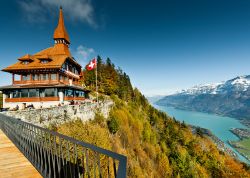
{"points": [[46, 88]]}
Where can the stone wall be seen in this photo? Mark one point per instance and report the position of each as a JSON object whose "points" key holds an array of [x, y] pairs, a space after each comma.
{"points": [[57, 115]]}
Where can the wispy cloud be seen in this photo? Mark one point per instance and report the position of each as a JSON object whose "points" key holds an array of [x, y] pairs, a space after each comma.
{"points": [[83, 54], [37, 11]]}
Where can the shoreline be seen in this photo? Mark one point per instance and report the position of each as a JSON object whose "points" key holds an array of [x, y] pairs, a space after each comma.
{"points": [[241, 134], [245, 122], [219, 143]]}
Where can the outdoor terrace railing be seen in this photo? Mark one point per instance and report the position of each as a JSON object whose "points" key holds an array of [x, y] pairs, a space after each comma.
{"points": [[56, 155]]}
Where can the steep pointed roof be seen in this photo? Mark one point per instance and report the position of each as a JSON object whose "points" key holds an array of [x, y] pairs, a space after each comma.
{"points": [[56, 55], [60, 31]]}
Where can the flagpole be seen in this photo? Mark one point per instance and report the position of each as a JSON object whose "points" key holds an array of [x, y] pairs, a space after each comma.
{"points": [[96, 83]]}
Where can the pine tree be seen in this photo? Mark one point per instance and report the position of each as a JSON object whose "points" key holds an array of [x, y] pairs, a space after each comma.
{"points": [[110, 80]]}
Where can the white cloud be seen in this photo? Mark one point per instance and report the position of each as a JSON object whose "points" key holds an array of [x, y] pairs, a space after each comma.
{"points": [[84, 54], [76, 10]]}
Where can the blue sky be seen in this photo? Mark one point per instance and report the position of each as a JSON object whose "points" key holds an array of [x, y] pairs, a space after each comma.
{"points": [[163, 45]]}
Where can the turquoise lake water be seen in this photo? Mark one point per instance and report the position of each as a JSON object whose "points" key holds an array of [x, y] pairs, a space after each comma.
{"points": [[219, 125]]}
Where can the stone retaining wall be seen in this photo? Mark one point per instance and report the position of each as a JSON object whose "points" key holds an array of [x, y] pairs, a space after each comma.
{"points": [[57, 115]]}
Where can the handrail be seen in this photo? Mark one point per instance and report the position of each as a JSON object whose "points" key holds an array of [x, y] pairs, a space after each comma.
{"points": [[56, 155]]}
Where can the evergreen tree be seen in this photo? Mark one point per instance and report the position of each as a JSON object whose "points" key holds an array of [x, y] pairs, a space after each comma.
{"points": [[110, 80]]}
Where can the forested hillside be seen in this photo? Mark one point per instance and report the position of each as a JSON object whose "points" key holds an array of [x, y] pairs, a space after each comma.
{"points": [[110, 80], [155, 144]]}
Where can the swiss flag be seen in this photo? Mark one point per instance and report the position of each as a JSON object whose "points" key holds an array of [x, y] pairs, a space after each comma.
{"points": [[91, 65]]}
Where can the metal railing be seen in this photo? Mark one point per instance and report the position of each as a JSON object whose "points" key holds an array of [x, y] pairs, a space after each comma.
{"points": [[56, 155]]}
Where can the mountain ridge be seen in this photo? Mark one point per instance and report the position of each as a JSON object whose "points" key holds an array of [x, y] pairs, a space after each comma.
{"points": [[229, 98]]}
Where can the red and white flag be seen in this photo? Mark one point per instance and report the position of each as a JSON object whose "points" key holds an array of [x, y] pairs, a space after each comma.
{"points": [[92, 64]]}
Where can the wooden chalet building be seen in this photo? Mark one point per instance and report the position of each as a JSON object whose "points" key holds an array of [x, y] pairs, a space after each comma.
{"points": [[48, 78]]}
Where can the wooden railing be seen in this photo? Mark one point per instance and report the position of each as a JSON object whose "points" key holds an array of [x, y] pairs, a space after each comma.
{"points": [[35, 82], [40, 82]]}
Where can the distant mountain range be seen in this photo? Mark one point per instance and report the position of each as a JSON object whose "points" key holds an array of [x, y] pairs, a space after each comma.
{"points": [[229, 98]]}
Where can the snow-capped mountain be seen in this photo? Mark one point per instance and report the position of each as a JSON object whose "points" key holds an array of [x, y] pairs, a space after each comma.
{"points": [[230, 98], [238, 84]]}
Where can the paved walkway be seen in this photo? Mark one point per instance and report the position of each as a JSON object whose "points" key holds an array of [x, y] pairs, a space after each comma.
{"points": [[13, 163]]}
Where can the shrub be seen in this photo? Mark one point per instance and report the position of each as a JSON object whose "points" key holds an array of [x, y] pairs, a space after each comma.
{"points": [[99, 119], [113, 125]]}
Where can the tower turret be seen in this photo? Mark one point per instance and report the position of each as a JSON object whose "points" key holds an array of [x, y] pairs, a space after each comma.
{"points": [[60, 34]]}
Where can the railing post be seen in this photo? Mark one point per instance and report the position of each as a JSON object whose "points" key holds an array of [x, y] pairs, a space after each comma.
{"points": [[122, 171]]}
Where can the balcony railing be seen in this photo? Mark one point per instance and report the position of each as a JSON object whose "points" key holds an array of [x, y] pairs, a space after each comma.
{"points": [[56, 155]]}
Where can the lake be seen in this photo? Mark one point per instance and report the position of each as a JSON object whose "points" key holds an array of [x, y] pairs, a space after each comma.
{"points": [[219, 125]]}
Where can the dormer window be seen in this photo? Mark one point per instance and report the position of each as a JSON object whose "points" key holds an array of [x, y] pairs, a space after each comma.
{"points": [[25, 62], [44, 61], [26, 59]]}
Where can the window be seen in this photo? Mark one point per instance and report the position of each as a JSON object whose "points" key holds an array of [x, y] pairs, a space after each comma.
{"points": [[26, 77], [17, 77], [69, 93], [44, 61], [16, 94], [70, 68], [64, 66], [79, 93], [42, 93], [53, 76], [33, 93], [24, 93], [75, 71], [45, 76], [25, 62], [35, 76], [50, 92], [60, 77]]}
